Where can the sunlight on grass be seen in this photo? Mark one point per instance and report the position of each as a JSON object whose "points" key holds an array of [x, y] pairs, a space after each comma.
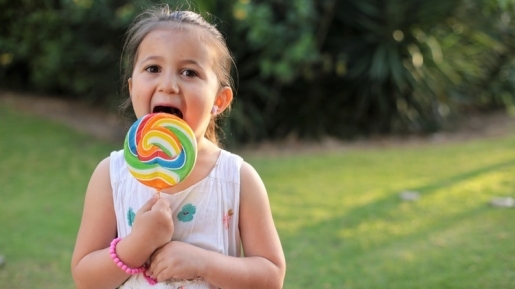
{"points": [[339, 215], [434, 208]]}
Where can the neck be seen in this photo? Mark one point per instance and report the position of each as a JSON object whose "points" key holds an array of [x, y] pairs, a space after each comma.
{"points": [[206, 147]]}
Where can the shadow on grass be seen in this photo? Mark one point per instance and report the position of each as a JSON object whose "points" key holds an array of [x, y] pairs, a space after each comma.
{"points": [[382, 206], [379, 242]]}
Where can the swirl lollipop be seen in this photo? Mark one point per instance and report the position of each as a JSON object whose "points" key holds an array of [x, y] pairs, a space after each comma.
{"points": [[160, 150]]}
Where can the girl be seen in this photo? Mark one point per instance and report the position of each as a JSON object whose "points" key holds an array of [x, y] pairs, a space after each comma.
{"points": [[193, 236]]}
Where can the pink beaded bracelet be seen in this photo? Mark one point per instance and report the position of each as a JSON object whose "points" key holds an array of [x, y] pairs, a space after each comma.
{"points": [[119, 263]]}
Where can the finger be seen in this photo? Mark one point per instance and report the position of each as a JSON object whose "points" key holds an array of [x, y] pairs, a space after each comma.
{"points": [[161, 203], [160, 272], [148, 205], [154, 255], [154, 268]]}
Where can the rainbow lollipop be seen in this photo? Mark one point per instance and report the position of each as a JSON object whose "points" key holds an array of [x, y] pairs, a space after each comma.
{"points": [[160, 150]]}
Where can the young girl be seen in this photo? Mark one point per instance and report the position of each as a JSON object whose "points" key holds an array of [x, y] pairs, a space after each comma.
{"points": [[193, 235]]}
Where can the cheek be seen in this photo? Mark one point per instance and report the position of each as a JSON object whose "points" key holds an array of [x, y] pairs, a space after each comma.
{"points": [[140, 91]]}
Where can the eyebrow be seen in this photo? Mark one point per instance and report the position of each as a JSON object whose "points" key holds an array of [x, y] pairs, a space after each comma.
{"points": [[152, 57], [191, 61], [187, 61]]}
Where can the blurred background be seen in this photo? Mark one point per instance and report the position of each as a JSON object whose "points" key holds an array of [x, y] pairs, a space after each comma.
{"points": [[347, 101], [306, 69]]}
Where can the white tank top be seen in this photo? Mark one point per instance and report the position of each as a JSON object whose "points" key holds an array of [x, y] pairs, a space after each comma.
{"points": [[204, 215]]}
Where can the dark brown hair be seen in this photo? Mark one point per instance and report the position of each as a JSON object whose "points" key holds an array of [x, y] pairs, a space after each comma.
{"points": [[160, 16]]}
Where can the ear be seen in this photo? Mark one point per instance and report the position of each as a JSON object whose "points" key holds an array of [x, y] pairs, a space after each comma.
{"points": [[130, 86], [223, 99]]}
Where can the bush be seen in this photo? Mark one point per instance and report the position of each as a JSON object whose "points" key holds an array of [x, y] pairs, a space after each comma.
{"points": [[305, 69]]}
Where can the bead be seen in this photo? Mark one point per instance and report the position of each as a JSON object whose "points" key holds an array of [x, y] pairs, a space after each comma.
{"points": [[150, 280], [119, 263]]}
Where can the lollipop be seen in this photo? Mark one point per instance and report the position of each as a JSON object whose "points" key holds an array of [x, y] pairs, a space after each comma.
{"points": [[160, 150]]}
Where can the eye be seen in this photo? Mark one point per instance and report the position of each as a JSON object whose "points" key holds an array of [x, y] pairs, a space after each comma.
{"points": [[153, 69], [189, 73]]}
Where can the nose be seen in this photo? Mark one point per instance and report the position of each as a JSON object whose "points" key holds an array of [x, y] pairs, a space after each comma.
{"points": [[168, 84]]}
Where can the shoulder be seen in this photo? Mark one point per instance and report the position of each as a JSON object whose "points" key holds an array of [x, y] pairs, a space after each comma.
{"points": [[99, 192], [101, 175], [248, 172], [240, 171], [110, 171], [252, 188]]}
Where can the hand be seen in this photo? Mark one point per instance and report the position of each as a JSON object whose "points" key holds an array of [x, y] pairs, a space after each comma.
{"points": [[153, 223], [176, 260]]}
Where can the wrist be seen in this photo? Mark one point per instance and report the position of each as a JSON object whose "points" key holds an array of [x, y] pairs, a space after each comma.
{"points": [[127, 268], [144, 241], [113, 251], [132, 251], [204, 261]]}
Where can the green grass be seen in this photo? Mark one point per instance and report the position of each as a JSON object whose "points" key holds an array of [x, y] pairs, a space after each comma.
{"points": [[339, 215], [44, 171]]}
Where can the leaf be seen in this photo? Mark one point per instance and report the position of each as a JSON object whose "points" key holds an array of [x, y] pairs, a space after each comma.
{"points": [[379, 65]]}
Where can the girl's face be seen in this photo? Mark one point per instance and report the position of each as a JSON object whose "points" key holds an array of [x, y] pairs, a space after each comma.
{"points": [[173, 73]]}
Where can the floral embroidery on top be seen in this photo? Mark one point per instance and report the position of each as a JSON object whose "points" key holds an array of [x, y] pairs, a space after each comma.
{"points": [[228, 218], [130, 217], [187, 213]]}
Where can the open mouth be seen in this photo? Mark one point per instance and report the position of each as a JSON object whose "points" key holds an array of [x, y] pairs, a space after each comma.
{"points": [[168, 109]]}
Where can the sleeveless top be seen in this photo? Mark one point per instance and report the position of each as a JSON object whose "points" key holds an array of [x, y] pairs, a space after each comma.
{"points": [[204, 215]]}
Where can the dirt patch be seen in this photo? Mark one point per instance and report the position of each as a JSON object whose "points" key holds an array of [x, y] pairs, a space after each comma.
{"points": [[110, 126], [99, 123], [473, 127]]}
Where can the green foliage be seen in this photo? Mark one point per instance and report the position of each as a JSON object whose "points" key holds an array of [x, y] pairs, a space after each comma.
{"points": [[305, 69], [274, 44], [310, 69], [484, 65], [282, 35], [66, 47]]}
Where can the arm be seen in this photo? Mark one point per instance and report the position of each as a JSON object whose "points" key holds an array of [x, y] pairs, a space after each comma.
{"points": [[92, 266], [263, 266]]}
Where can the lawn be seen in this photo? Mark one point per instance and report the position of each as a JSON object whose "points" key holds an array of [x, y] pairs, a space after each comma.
{"points": [[339, 214]]}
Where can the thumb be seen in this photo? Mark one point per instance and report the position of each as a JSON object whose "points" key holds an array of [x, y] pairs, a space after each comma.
{"points": [[148, 205]]}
